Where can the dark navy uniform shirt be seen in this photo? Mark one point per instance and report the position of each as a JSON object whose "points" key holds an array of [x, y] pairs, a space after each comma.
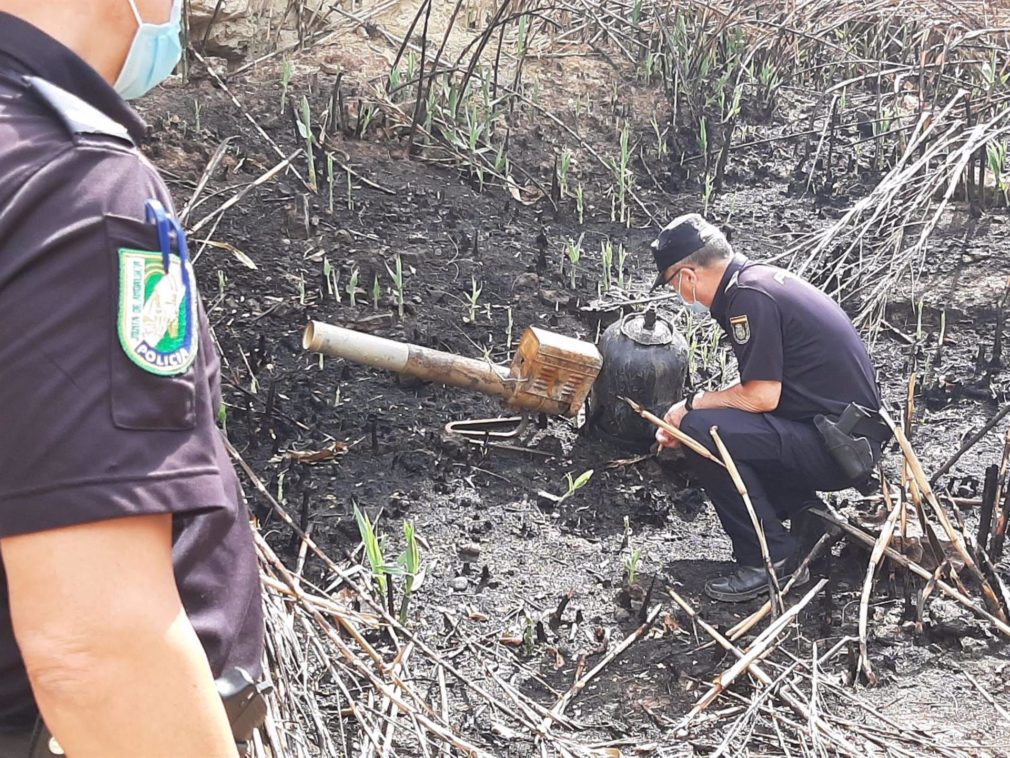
{"points": [[90, 430], [786, 330]]}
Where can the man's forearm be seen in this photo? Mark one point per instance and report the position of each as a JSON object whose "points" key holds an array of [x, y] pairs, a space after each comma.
{"points": [[753, 397], [156, 693], [115, 665]]}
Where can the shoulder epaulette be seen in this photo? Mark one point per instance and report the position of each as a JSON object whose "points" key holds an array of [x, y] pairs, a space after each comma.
{"points": [[78, 116]]}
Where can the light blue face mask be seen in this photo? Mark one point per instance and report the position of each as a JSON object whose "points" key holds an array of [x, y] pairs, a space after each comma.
{"points": [[155, 51], [697, 307]]}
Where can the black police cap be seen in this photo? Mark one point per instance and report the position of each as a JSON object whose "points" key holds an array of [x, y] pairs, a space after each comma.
{"points": [[680, 238]]}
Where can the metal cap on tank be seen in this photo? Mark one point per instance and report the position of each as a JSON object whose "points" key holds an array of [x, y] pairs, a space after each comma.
{"points": [[645, 358]]}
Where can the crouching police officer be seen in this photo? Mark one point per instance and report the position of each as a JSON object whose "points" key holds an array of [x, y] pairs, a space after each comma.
{"points": [[128, 579], [802, 417]]}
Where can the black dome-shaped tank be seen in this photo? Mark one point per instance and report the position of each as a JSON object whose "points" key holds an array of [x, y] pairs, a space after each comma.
{"points": [[645, 359]]}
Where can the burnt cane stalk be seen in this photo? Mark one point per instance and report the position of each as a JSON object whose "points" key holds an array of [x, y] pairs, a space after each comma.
{"points": [[421, 89], [720, 165], [956, 539], [990, 491]]}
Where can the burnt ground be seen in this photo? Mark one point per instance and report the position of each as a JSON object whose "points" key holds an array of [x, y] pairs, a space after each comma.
{"points": [[399, 464]]}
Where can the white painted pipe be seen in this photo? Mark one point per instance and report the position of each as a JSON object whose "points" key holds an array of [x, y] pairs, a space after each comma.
{"points": [[368, 349], [422, 362]]}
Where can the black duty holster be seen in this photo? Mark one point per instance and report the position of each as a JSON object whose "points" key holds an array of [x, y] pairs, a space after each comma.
{"points": [[244, 702], [854, 440]]}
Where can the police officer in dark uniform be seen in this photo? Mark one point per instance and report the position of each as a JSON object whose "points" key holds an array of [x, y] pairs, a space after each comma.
{"points": [[129, 579], [804, 375]]}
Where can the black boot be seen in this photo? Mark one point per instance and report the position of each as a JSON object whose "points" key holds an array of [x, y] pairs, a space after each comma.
{"points": [[747, 582], [806, 528]]}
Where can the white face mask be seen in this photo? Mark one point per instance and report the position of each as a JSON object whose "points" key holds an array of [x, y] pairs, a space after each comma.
{"points": [[696, 307], [154, 53]]}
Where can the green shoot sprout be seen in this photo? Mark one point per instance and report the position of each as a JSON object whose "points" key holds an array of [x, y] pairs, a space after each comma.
{"points": [[328, 275], [305, 131], [631, 564], [409, 564], [352, 286], [607, 254], [661, 149], [472, 300], [574, 252], [373, 549], [574, 485], [397, 277], [563, 168]]}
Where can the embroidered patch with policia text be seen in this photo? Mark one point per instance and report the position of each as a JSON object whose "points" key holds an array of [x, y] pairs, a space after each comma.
{"points": [[740, 328], [157, 319]]}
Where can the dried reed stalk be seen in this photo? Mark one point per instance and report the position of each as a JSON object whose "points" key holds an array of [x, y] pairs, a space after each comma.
{"points": [[774, 592], [761, 645]]}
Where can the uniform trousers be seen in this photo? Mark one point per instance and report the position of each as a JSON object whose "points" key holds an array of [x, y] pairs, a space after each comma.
{"points": [[783, 464], [15, 744]]}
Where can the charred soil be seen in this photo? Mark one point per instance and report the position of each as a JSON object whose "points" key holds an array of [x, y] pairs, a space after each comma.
{"points": [[542, 588]]}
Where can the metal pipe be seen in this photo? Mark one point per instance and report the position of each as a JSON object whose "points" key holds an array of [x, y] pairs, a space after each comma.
{"points": [[404, 358]]}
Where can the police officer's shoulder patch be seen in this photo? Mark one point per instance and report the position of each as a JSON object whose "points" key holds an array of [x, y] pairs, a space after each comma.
{"points": [[740, 329], [157, 315]]}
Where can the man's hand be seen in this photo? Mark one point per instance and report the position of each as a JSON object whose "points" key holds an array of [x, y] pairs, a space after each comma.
{"points": [[673, 417], [114, 663]]}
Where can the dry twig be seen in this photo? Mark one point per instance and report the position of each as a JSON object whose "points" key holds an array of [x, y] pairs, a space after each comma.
{"points": [[759, 647], [774, 592]]}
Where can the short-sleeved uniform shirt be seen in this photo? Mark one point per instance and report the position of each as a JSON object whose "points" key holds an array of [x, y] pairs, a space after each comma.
{"points": [[91, 427], [786, 330]]}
